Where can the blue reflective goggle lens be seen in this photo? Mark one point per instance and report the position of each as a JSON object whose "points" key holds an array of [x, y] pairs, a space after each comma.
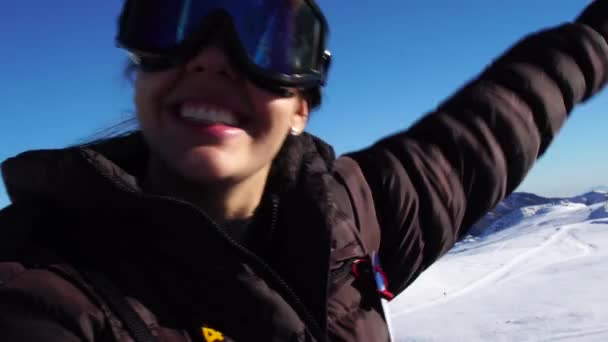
{"points": [[281, 40]]}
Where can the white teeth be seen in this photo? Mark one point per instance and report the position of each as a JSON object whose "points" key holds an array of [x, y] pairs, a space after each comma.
{"points": [[209, 115]]}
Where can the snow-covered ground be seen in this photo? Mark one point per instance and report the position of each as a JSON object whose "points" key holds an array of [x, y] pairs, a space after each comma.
{"points": [[542, 276]]}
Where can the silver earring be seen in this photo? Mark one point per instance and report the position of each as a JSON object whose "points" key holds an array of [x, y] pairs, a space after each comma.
{"points": [[294, 131]]}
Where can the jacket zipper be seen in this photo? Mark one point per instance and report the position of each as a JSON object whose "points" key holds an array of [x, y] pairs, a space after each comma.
{"points": [[275, 213], [299, 306]]}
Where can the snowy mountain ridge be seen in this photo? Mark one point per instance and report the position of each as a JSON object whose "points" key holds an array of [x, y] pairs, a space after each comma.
{"points": [[520, 205], [536, 272]]}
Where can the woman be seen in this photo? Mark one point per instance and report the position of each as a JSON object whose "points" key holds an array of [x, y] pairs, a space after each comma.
{"points": [[221, 220]]}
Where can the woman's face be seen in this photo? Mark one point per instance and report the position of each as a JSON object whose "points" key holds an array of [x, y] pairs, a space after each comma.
{"points": [[209, 123]]}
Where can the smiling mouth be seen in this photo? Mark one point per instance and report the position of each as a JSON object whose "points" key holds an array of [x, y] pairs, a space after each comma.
{"points": [[204, 114]]}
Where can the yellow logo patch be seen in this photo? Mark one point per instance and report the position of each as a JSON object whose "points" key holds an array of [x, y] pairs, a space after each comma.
{"points": [[211, 335]]}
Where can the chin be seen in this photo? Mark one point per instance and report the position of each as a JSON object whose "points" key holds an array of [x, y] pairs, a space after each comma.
{"points": [[207, 168]]}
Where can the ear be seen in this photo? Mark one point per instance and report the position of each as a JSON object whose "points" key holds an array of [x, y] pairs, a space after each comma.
{"points": [[299, 119]]}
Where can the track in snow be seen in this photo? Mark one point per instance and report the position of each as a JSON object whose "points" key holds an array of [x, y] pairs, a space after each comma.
{"points": [[518, 266]]}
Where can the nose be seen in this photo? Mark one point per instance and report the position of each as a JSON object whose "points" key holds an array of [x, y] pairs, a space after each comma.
{"points": [[212, 57]]}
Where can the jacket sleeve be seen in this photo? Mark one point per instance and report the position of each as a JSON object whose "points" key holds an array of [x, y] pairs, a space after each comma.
{"points": [[39, 305], [433, 181]]}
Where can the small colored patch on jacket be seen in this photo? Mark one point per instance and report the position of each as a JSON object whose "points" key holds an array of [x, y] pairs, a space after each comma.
{"points": [[212, 335]]}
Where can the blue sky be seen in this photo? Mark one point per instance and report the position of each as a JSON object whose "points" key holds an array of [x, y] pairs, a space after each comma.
{"points": [[395, 60]]}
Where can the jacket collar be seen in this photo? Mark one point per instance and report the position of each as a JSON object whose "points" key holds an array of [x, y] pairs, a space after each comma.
{"points": [[77, 177]]}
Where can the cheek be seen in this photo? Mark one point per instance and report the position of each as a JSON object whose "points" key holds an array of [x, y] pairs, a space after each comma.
{"points": [[150, 89], [273, 113]]}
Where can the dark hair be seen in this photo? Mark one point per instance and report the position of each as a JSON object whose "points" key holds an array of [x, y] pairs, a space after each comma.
{"points": [[312, 97]]}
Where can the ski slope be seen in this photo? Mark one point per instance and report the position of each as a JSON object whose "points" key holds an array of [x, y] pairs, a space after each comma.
{"points": [[540, 273]]}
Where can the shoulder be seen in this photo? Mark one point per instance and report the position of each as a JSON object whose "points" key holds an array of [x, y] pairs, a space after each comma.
{"points": [[353, 194], [349, 173], [21, 215], [17, 227], [34, 281], [12, 214], [350, 178]]}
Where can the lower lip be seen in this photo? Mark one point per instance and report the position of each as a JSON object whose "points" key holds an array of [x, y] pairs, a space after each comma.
{"points": [[217, 131]]}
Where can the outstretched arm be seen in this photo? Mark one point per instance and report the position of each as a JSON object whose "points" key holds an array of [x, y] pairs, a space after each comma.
{"points": [[433, 181]]}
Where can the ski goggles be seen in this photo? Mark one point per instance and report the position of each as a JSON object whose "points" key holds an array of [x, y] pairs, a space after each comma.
{"points": [[281, 41]]}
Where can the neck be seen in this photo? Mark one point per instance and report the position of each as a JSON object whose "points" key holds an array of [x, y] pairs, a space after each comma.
{"points": [[221, 200]]}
